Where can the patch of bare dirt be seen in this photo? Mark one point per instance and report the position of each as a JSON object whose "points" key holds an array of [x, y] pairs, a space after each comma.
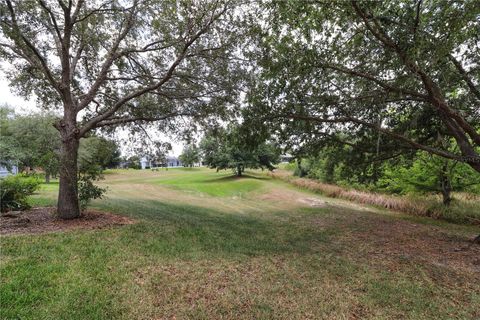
{"points": [[289, 198], [292, 198], [313, 202], [43, 220]]}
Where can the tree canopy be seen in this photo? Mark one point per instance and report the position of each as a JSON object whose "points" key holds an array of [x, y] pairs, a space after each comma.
{"points": [[30, 141], [378, 75], [98, 151], [228, 149]]}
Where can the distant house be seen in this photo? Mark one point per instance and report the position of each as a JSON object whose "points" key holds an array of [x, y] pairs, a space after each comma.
{"points": [[173, 162], [4, 171], [145, 163], [169, 162], [123, 164]]}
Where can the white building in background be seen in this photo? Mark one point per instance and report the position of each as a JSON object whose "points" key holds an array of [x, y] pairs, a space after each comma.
{"points": [[144, 163], [173, 162], [170, 162], [5, 172]]}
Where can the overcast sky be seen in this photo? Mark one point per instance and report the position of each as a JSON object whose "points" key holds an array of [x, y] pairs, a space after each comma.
{"points": [[8, 97]]}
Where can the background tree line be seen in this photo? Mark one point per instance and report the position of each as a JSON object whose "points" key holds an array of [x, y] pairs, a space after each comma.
{"points": [[32, 143]]}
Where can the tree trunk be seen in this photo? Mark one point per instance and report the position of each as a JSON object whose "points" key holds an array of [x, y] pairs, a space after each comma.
{"points": [[330, 170], [47, 177], [239, 170], [446, 197], [299, 167], [68, 206], [446, 186]]}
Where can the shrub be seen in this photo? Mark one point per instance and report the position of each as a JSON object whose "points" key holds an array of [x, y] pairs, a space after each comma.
{"points": [[303, 168], [89, 171], [14, 191], [290, 166], [87, 191]]}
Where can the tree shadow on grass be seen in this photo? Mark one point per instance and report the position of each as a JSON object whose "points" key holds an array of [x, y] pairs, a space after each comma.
{"points": [[234, 177], [185, 230]]}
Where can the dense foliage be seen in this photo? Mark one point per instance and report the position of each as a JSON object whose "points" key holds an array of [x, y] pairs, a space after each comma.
{"points": [[29, 141], [420, 173], [8, 152], [132, 162], [98, 151], [385, 77], [14, 191]]}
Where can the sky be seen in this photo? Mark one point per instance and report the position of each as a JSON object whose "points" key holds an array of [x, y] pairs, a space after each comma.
{"points": [[24, 106], [8, 97]]}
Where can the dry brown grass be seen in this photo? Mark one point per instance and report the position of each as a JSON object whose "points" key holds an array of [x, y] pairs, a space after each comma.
{"points": [[277, 287]]}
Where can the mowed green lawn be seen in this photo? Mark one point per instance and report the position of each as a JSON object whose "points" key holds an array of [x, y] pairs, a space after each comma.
{"points": [[206, 245]]}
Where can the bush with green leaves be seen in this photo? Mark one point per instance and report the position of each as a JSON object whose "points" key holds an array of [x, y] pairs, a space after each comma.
{"points": [[94, 155], [14, 191], [87, 191], [429, 174], [302, 168], [88, 173]]}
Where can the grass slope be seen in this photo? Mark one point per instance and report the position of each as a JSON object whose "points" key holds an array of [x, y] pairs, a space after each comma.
{"points": [[221, 184], [211, 247]]}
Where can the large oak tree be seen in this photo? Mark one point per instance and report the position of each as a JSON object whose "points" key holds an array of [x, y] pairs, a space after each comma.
{"points": [[401, 71], [107, 63]]}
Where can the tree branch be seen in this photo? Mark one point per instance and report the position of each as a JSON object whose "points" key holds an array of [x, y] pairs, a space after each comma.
{"points": [[411, 143], [417, 19], [464, 76], [433, 90], [41, 64], [111, 57], [94, 121], [381, 83], [116, 121], [52, 18]]}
